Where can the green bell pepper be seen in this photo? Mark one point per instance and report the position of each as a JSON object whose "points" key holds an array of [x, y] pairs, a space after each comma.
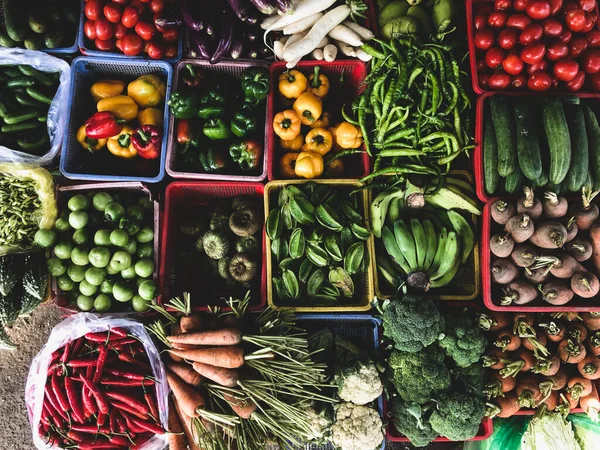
{"points": [[213, 160], [183, 105], [211, 105], [255, 84], [244, 121], [246, 153], [216, 129]]}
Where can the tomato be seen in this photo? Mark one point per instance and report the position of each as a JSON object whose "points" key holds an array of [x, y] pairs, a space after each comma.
{"points": [[121, 2], [577, 46], [593, 38], [576, 83], [532, 33], [171, 35], [565, 36], [587, 5], [519, 21], [494, 57], [512, 65], [508, 38], [484, 39], [145, 30], [138, 5], [155, 50], [542, 66], [480, 21], [481, 65], [132, 44], [497, 19], [595, 79], [575, 20], [552, 27], [557, 51], [120, 30], [93, 9], [566, 70], [589, 23], [570, 6], [131, 17], [556, 6], [112, 12], [104, 29], [89, 28], [539, 81], [520, 5], [157, 5], [499, 80], [171, 51], [484, 80], [519, 81], [533, 53], [590, 61], [502, 5], [538, 9], [105, 45]]}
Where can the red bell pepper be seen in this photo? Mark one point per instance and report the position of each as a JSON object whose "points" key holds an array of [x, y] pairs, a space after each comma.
{"points": [[147, 141], [102, 125], [246, 153]]}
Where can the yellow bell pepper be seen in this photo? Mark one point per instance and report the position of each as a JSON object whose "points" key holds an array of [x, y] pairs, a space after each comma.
{"points": [[348, 136], [292, 83], [319, 140], [121, 106], [121, 145], [106, 88], [309, 107], [287, 165], [293, 144], [147, 90], [90, 144], [336, 147], [322, 122], [309, 165], [151, 116], [318, 83], [286, 124]]}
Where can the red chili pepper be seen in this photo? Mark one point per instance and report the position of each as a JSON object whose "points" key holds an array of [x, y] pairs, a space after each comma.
{"points": [[66, 352], [130, 425], [112, 422], [130, 359], [139, 442], [56, 355], [102, 354], [83, 362], [73, 397], [77, 346], [89, 407], [148, 426], [119, 440], [55, 368], [121, 425], [128, 399], [102, 419], [102, 125], [60, 394], [125, 374], [103, 336], [147, 141], [50, 399], [125, 341], [152, 405], [45, 419], [76, 436], [127, 408], [54, 414], [96, 392], [126, 383], [97, 444], [90, 429]]}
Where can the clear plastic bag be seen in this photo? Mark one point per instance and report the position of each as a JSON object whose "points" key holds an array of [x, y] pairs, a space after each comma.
{"points": [[75, 326], [59, 108]]}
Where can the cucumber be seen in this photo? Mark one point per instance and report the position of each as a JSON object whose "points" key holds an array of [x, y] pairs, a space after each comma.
{"points": [[541, 181], [54, 38], [578, 171], [529, 153], [15, 19], [593, 134], [490, 159], [558, 189], [37, 20], [559, 139], [34, 42], [515, 181], [504, 126], [6, 41]]}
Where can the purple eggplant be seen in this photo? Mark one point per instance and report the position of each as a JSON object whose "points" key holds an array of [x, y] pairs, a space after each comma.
{"points": [[225, 39], [284, 6], [252, 53], [192, 15], [241, 8], [251, 35], [200, 47], [254, 17], [266, 7], [237, 47], [265, 53]]}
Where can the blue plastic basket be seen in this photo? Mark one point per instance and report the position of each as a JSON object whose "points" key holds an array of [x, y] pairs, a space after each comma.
{"points": [[75, 162], [360, 328]]}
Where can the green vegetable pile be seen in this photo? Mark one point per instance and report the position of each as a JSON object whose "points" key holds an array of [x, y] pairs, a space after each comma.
{"points": [[435, 370], [318, 245]]}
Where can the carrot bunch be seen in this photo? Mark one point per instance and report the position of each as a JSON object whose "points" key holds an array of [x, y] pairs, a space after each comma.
{"points": [[542, 361]]}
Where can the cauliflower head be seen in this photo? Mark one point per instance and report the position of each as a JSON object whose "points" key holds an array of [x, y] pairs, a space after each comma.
{"points": [[359, 383], [357, 427]]}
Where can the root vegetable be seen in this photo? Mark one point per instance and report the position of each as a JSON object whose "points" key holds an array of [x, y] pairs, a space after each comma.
{"points": [[571, 351], [519, 293], [493, 320], [186, 422], [558, 380], [494, 360], [587, 212], [550, 234], [523, 325], [363, 32], [571, 402], [344, 34], [594, 343], [572, 229], [557, 292], [595, 241], [302, 24], [186, 373], [591, 404], [317, 54], [508, 405], [362, 55], [242, 407], [504, 271], [550, 401], [346, 49], [502, 211], [330, 52], [507, 384], [579, 248], [502, 245], [523, 255], [188, 398], [219, 375], [555, 331], [547, 367], [523, 362], [591, 320], [223, 337], [507, 341], [536, 276], [585, 284], [537, 345], [589, 367], [564, 265], [554, 206], [577, 331], [520, 228], [176, 438], [231, 357], [175, 330], [529, 204], [528, 392], [191, 322], [579, 387]]}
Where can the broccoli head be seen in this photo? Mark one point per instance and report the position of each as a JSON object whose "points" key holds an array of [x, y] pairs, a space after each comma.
{"points": [[417, 376], [463, 341], [457, 416], [409, 420], [413, 323], [470, 379]]}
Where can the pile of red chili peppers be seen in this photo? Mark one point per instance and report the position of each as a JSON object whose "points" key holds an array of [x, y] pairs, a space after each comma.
{"points": [[98, 394]]}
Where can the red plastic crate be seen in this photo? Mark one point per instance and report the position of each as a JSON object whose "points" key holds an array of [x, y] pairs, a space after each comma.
{"points": [[354, 71], [188, 196]]}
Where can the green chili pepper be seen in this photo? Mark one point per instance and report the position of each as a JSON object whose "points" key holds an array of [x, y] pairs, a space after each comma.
{"points": [[18, 117]]}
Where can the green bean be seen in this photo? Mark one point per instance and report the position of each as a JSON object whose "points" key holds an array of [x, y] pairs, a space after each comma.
{"points": [[361, 122], [405, 169], [347, 118], [401, 151]]}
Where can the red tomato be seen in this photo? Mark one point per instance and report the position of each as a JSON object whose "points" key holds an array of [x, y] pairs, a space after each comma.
{"points": [[539, 81], [145, 30], [590, 61], [576, 83], [593, 38], [105, 45], [532, 33], [538, 9], [171, 35], [542, 66], [519, 21], [93, 9], [480, 21], [497, 19], [138, 5], [533, 53], [484, 80], [121, 2], [89, 28], [577, 46], [575, 20], [589, 23], [520, 5], [587, 5], [570, 6], [484, 39], [512, 65], [155, 50], [565, 36], [519, 81], [494, 57], [481, 65], [556, 6], [499, 81], [552, 27], [508, 38], [171, 51], [502, 5], [566, 70], [131, 17], [132, 44], [104, 29], [595, 79], [157, 5], [120, 30], [119, 44], [113, 12], [556, 51]]}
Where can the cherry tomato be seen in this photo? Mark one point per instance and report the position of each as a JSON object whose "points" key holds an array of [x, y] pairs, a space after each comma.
{"points": [[556, 6], [171, 35], [512, 65], [484, 39], [576, 83], [508, 38], [552, 27], [494, 57], [532, 33], [104, 30], [143, 1], [93, 9], [593, 38], [131, 17], [113, 12], [157, 5], [89, 28], [155, 50], [484, 80], [120, 30], [105, 45], [533, 53], [171, 51], [587, 5], [502, 5], [577, 46], [145, 30], [539, 81], [542, 66], [132, 44], [565, 36], [589, 23], [520, 5], [566, 70], [519, 21], [575, 20], [557, 51], [119, 44], [590, 61], [570, 6], [499, 80], [595, 79], [138, 5], [538, 9], [519, 81], [480, 21], [497, 19], [120, 2]]}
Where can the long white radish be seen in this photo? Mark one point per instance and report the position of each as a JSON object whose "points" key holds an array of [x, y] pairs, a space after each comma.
{"points": [[292, 64], [284, 39], [346, 49], [323, 42], [363, 32], [266, 23], [320, 29], [362, 55], [304, 9], [318, 54], [292, 39], [330, 52], [303, 24], [345, 34], [278, 49]]}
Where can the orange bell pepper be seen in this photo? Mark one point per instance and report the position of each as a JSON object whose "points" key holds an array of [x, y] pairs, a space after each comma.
{"points": [[292, 83], [348, 136], [294, 144], [319, 140], [309, 107], [287, 164]]}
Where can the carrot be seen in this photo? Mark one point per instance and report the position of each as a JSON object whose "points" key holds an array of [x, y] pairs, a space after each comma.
{"points": [[591, 320], [242, 407], [571, 351], [580, 249], [509, 405], [502, 211], [523, 324], [547, 366], [572, 402], [499, 386], [551, 234], [523, 363], [520, 228], [493, 321], [557, 292], [504, 271], [176, 437], [595, 241], [175, 330], [224, 337], [188, 398], [519, 293], [579, 387], [186, 422], [594, 343], [528, 392], [554, 330], [507, 384], [186, 373], [554, 206], [191, 322], [529, 204], [586, 212], [537, 345], [523, 255], [507, 341], [585, 284], [550, 402], [501, 245], [568, 316], [220, 375], [577, 331], [589, 367], [495, 360], [558, 380], [591, 404], [230, 357]]}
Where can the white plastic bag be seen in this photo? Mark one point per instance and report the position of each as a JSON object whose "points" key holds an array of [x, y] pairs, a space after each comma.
{"points": [[59, 108], [75, 326]]}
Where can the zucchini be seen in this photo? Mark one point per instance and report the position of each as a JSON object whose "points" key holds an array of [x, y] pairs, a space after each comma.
{"points": [[559, 139], [490, 159], [578, 171], [515, 181], [529, 153], [504, 127], [35, 282], [15, 19], [593, 134]]}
